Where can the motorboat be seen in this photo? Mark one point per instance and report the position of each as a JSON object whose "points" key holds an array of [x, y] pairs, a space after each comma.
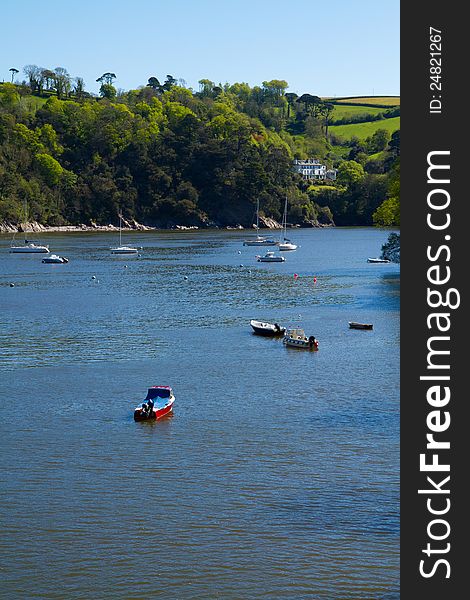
{"points": [[267, 329], [157, 404], [123, 249], [354, 325], [270, 257], [284, 242], [378, 260], [296, 338], [55, 259], [259, 240], [30, 248]]}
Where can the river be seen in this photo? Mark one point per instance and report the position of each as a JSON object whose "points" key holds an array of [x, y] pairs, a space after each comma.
{"points": [[277, 476]]}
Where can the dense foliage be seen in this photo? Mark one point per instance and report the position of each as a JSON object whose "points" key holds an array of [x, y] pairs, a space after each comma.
{"points": [[165, 155]]}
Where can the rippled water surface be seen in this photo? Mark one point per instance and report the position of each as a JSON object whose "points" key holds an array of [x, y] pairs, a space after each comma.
{"points": [[277, 476]]}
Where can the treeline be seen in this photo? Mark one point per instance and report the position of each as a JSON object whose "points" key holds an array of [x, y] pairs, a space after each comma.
{"points": [[164, 154]]}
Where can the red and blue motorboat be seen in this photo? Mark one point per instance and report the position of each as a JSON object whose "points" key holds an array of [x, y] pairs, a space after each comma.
{"points": [[157, 404]]}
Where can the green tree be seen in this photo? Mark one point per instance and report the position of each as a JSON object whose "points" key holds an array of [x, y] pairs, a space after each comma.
{"points": [[350, 173], [13, 73], [108, 91]]}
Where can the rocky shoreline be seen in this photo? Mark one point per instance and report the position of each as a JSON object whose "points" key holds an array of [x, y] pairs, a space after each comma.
{"points": [[132, 225]]}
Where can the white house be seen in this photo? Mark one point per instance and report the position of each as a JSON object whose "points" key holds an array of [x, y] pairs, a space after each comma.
{"points": [[311, 168]]}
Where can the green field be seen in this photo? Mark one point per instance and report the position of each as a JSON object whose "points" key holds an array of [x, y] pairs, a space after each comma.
{"points": [[379, 100], [352, 110], [364, 130]]}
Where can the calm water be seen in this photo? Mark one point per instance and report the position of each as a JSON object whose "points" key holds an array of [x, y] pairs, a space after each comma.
{"points": [[277, 476]]}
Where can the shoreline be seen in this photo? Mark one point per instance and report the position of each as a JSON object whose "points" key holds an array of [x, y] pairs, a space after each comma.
{"points": [[34, 227]]}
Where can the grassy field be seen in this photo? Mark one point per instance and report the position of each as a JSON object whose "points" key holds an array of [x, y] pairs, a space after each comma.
{"points": [[381, 100], [352, 110], [363, 130]]}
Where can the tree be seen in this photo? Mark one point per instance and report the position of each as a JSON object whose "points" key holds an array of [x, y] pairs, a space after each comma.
{"points": [[154, 83], [377, 141], [326, 111], [350, 173], [107, 78], [206, 87], [312, 104], [169, 83], [49, 78], [274, 90], [79, 87], [62, 82], [35, 77], [291, 97], [13, 73], [108, 91]]}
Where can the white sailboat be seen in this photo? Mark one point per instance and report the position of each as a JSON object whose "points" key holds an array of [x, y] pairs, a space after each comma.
{"points": [[259, 240], [123, 249], [29, 247], [285, 243]]}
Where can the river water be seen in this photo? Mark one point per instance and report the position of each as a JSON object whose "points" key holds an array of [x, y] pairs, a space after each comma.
{"points": [[277, 476]]}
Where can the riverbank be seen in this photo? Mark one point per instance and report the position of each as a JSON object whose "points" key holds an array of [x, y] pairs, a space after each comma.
{"points": [[35, 227]]}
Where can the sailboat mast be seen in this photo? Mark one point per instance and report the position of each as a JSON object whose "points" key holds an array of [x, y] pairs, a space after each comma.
{"points": [[25, 217]]}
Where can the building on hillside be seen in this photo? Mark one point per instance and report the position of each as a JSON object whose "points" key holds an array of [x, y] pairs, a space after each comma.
{"points": [[312, 169]]}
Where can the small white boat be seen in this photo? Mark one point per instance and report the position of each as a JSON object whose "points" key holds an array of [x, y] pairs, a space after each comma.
{"points": [[296, 338], [29, 248], [287, 245], [270, 257], [378, 260], [55, 259], [123, 249], [284, 243], [267, 329]]}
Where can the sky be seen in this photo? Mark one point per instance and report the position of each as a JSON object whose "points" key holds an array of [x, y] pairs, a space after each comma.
{"points": [[329, 49]]}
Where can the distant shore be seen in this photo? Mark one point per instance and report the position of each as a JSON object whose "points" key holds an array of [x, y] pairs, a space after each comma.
{"points": [[35, 227]]}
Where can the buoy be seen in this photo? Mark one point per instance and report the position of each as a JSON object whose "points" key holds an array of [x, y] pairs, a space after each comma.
{"points": [[12, 285], [239, 252], [125, 266], [295, 275], [314, 280], [249, 272], [241, 265], [185, 277], [93, 277]]}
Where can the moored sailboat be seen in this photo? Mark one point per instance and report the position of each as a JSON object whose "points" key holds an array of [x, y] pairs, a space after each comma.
{"points": [[29, 246], [259, 240], [123, 249], [285, 243]]}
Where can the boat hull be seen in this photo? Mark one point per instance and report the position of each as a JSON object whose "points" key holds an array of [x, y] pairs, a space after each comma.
{"points": [[267, 329], [378, 260], [271, 259], [29, 250], [353, 325], [260, 243], [124, 251], [156, 414], [55, 260]]}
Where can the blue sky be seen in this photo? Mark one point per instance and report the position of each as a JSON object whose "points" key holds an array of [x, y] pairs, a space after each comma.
{"points": [[335, 48]]}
